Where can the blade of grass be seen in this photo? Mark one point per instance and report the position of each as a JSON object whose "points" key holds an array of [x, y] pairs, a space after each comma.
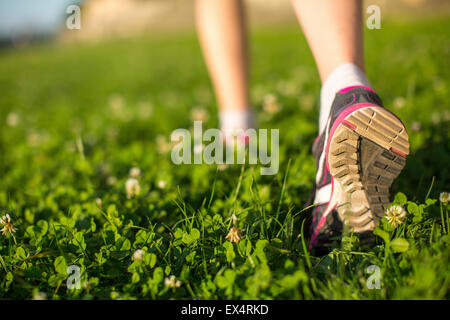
{"points": [[308, 261], [283, 188], [431, 187]]}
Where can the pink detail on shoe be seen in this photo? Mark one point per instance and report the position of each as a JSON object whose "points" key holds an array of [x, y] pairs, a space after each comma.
{"points": [[354, 87], [331, 132], [314, 216], [398, 152], [317, 138], [317, 205], [322, 219], [245, 139], [325, 176], [348, 124]]}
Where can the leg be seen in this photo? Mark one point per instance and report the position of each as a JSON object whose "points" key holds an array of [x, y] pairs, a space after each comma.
{"points": [[222, 33], [334, 32], [335, 35]]}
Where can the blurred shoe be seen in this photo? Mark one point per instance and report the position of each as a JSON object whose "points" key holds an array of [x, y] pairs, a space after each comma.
{"points": [[359, 154]]}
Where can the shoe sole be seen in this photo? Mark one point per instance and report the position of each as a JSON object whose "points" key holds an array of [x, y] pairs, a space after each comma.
{"points": [[366, 152]]}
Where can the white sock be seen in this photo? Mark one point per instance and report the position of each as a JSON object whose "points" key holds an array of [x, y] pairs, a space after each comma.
{"points": [[346, 75], [233, 121], [236, 119]]}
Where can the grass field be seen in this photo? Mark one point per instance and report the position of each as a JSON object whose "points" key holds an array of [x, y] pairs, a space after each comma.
{"points": [[76, 118]]}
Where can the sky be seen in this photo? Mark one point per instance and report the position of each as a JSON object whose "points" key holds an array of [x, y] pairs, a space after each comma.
{"points": [[37, 16]]}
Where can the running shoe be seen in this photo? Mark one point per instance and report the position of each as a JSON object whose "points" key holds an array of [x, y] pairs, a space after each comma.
{"points": [[359, 154]]}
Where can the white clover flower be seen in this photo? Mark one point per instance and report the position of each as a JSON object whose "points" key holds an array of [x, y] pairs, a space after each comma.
{"points": [[234, 235], [145, 109], [435, 118], [116, 104], [87, 285], [416, 126], [138, 255], [288, 87], [199, 114], [270, 104], [8, 226], [234, 219], [399, 102], [135, 172], [172, 282], [40, 296], [98, 202], [111, 180], [444, 197], [37, 138], [395, 215], [12, 119], [445, 115], [132, 187], [162, 145], [162, 184]]}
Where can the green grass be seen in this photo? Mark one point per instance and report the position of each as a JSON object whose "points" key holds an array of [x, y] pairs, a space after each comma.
{"points": [[87, 113]]}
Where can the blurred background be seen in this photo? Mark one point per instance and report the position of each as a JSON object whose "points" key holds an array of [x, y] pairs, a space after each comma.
{"points": [[113, 90], [26, 21]]}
